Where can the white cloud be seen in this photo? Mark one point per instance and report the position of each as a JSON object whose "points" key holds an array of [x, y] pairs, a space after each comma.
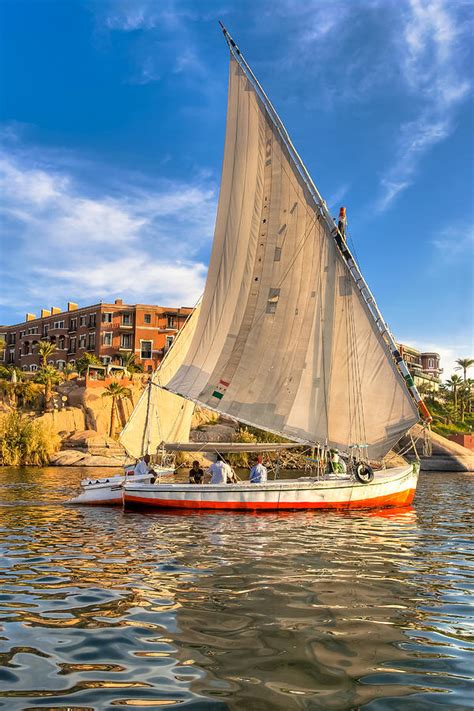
{"points": [[166, 22], [60, 242], [430, 54], [130, 16], [455, 243], [136, 276]]}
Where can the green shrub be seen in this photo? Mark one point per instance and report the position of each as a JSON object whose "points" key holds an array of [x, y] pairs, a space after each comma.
{"points": [[25, 442], [241, 459]]}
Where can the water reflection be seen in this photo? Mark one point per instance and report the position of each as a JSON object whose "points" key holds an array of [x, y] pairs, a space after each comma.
{"points": [[304, 610]]}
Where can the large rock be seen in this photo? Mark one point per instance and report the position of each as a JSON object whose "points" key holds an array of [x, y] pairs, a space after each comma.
{"points": [[446, 455], [76, 458], [95, 443], [89, 460], [67, 458], [215, 433], [67, 420]]}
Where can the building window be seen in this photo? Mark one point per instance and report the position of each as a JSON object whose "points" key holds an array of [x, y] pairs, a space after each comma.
{"points": [[11, 357], [72, 344], [126, 341], [92, 320], [106, 359], [73, 324], [170, 323], [72, 362], [147, 318], [60, 364], [430, 363], [107, 317], [126, 319], [82, 341], [33, 367], [169, 341], [46, 329], [107, 338], [82, 320], [58, 324], [61, 342], [91, 342], [145, 349]]}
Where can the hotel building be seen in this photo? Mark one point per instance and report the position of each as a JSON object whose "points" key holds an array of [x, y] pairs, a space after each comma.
{"points": [[424, 367], [109, 331]]}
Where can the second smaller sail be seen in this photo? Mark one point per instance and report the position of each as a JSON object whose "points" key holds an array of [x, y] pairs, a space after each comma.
{"points": [[161, 416]]}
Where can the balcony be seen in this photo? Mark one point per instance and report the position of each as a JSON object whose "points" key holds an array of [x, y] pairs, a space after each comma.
{"points": [[126, 326]]}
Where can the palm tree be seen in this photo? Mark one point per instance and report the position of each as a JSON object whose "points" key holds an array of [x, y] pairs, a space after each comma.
{"points": [[44, 350], [85, 360], [130, 364], [464, 364], [48, 376], [425, 388], [116, 392], [454, 383]]}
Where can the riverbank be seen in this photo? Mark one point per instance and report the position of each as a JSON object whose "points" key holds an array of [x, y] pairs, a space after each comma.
{"points": [[79, 436]]}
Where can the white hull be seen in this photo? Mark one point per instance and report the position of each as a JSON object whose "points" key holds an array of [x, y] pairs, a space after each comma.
{"points": [[390, 487], [109, 490]]}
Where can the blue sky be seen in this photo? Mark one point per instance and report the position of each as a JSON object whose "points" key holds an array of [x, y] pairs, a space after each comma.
{"points": [[112, 118]]}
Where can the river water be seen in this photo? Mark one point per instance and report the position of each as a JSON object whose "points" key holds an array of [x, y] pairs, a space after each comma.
{"points": [[101, 609]]}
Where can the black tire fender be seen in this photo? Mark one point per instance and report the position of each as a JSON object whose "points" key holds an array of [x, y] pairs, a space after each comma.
{"points": [[364, 473]]}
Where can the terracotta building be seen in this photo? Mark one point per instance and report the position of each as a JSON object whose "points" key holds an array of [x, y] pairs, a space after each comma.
{"points": [[110, 331]]}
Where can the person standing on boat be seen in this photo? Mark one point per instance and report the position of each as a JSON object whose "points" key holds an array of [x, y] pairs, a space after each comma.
{"points": [[221, 472], [258, 473], [196, 474], [141, 467]]}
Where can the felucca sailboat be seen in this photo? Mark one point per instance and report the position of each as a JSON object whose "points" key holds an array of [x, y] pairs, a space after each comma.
{"points": [[289, 337]]}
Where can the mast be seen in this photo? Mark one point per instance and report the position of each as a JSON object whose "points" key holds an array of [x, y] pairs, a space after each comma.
{"points": [[322, 208]]}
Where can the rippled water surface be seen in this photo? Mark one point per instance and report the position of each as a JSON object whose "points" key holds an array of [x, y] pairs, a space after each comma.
{"points": [[104, 609]]}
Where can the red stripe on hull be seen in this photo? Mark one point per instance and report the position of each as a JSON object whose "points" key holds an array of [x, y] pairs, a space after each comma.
{"points": [[402, 498]]}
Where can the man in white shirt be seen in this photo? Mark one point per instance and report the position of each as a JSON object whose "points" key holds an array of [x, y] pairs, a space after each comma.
{"points": [[141, 467], [258, 473], [221, 472]]}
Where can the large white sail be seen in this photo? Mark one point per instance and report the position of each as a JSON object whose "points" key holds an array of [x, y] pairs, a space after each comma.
{"points": [[161, 416], [285, 340]]}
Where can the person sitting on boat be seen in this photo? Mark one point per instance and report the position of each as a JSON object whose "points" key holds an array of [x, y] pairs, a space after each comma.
{"points": [[141, 467], [196, 474], [336, 463], [258, 473], [221, 472]]}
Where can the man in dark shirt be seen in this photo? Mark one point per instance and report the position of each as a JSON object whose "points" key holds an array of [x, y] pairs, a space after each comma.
{"points": [[196, 474]]}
